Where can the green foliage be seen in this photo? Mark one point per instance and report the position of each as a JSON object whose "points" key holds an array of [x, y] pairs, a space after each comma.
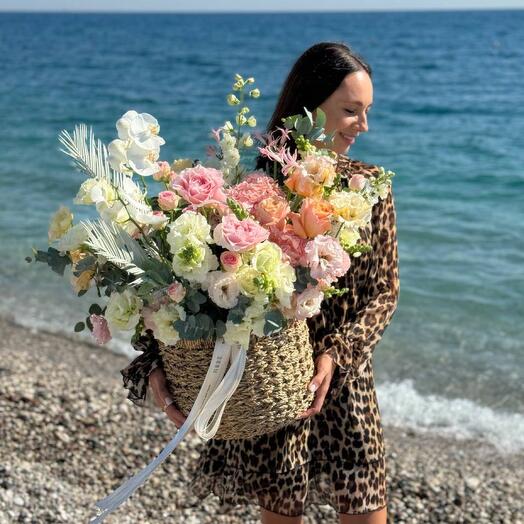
{"points": [[236, 314], [193, 300], [53, 259], [358, 249], [195, 327], [274, 321], [334, 292], [303, 279], [237, 209]]}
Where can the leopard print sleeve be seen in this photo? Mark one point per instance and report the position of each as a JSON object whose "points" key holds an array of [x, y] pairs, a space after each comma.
{"points": [[349, 333], [136, 374]]}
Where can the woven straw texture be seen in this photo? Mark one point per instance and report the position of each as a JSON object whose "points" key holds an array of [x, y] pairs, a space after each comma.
{"points": [[272, 391]]}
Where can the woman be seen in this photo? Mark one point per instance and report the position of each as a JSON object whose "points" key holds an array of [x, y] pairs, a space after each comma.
{"points": [[334, 452]]}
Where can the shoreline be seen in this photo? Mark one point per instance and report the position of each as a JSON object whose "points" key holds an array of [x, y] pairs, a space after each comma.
{"points": [[70, 436]]}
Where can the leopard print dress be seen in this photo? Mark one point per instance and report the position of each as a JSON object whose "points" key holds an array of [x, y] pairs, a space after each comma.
{"points": [[337, 456]]}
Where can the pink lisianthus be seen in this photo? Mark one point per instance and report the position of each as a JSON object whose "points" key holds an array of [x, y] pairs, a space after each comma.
{"points": [[326, 258], [200, 185], [239, 235], [308, 303], [176, 292], [168, 200], [272, 211], [100, 332], [230, 261], [291, 244], [357, 182], [253, 189]]}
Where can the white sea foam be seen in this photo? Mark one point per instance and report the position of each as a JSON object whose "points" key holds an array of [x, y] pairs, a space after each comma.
{"points": [[403, 406]]}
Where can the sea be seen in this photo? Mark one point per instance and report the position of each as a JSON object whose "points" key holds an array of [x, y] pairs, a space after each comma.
{"points": [[448, 119]]}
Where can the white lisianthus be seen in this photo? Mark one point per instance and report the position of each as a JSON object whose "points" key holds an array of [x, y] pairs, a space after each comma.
{"points": [[190, 223], [163, 320], [238, 333], [73, 239], [255, 314], [308, 303], [351, 207], [223, 288], [60, 223], [267, 257], [192, 259], [348, 237], [246, 278], [123, 310]]}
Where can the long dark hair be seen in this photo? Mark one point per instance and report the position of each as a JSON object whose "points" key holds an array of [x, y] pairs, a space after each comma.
{"points": [[313, 78]]}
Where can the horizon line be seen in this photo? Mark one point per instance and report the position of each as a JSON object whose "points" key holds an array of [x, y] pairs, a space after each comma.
{"points": [[247, 11]]}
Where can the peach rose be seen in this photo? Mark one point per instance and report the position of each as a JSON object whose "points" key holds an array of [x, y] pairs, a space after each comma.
{"points": [[313, 219], [302, 184], [255, 188], [272, 211]]}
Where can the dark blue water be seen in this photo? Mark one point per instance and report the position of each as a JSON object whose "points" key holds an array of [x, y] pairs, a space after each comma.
{"points": [[448, 118]]}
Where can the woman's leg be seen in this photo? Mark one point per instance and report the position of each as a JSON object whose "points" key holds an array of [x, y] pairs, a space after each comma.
{"points": [[380, 516], [268, 517]]}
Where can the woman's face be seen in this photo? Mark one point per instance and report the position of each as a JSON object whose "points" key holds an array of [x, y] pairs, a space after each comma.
{"points": [[347, 110]]}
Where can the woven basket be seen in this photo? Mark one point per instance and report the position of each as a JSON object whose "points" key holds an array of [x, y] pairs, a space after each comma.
{"points": [[272, 391]]}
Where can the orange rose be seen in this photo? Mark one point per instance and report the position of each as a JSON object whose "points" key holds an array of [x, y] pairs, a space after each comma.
{"points": [[272, 211], [302, 184], [313, 219]]}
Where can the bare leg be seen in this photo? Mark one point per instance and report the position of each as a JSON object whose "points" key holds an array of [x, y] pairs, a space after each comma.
{"points": [[268, 517], [380, 516]]}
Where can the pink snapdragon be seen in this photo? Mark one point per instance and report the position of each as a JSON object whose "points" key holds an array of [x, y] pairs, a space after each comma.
{"points": [[200, 185], [326, 258], [239, 235]]}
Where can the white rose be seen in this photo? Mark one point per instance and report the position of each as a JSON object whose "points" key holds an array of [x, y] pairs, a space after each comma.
{"points": [[123, 310], [223, 288], [163, 323], [192, 259], [190, 223]]}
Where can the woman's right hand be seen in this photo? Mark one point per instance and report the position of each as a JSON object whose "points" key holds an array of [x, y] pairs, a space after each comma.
{"points": [[158, 383]]}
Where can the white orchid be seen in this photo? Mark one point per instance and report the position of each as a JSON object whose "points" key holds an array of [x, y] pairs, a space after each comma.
{"points": [[137, 147]]}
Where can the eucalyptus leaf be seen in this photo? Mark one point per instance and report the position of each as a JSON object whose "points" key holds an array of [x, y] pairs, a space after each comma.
{"points": [[274, 321], [79, 326]]}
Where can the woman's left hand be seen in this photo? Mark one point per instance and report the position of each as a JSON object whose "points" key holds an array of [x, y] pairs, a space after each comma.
{"points": [[325, 368]]}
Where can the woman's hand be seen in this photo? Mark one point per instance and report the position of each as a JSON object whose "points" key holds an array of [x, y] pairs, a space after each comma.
{"points": [[158, 383], [325, 368]]}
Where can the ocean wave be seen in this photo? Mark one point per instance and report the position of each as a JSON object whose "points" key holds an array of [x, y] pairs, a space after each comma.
{"points": [[402, 405]]}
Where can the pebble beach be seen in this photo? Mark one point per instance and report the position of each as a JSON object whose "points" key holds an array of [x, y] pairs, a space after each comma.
{"points": [[69, 436]]}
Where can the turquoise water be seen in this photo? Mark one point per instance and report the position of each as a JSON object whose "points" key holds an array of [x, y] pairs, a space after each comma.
{"points": [[448, 118]]}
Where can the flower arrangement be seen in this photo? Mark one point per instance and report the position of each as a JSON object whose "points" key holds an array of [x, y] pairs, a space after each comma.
{"points": [[219, 251]]}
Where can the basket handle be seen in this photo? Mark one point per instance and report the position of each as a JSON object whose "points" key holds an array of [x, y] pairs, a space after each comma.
{"points": [[217, 389]]}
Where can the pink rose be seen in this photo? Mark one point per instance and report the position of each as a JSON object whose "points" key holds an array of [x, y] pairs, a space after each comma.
{"points": [[164, 173], [230, 260], [291, 244], [253, 189], [176, 291], [167, 200], [100, 332], [200, 185], [357, 182], [239, 235], [272, 211], [326, 258]]}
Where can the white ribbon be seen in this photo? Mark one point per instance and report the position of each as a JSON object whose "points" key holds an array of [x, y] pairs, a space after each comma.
{"points": [[205, 417]]}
